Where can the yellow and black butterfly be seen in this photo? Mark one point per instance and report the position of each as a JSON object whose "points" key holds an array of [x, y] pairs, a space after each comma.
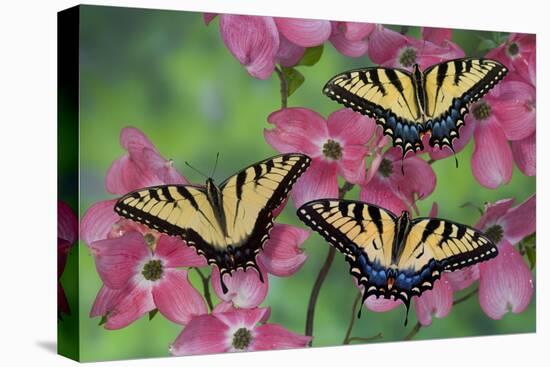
{"points": [[227, 224], [395, 257], [408, 105]]}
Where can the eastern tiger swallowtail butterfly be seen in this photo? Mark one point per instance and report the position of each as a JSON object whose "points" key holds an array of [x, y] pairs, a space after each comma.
{"points": [[408, 105], [395, 257], [227, 224]]}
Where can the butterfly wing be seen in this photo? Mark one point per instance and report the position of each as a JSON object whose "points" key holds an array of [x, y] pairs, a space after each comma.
{"points": [[249, 199], [386, 94], [364, 233], [435, 245], [450, 87]]}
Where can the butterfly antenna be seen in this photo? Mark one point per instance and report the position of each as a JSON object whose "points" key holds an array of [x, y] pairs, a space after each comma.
{"points": [[215, 164], [196, 170]]}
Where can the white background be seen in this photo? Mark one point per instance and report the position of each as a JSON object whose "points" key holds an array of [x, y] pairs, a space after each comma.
{"points": [[28, 181]]}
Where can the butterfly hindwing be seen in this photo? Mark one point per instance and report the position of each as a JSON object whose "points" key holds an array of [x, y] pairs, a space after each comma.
{"points": [[450, 87], [386, 94], [229, 227]]}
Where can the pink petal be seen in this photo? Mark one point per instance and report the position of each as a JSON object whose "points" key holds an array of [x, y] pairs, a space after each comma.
{"points": [[418, 181], [356, 31], [493, 212], [384, 44], [244, 289], [297, 130], [224, 307], [319, 181], [208, 17], [247, 318], [514, 107], [352, 164], [176, 298], [304, 32], [492, 162], [117, 260], [379, 193], [105, 300], [381, 304], [429, 53], [125, 175], [67, 223], [435, 302], [347, 46], [466, 133], [463, 278], [282, 254], [176, 253], [289, 53], [98, 221], [437, 35], [434, 210], [253, 41], [524, 152], [162, 168], [520, 221], [273, 336], [134, 303], [204, 334], [506, 283], [350, 127]]}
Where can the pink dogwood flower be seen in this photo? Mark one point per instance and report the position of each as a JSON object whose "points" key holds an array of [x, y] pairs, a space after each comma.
{"points": [[438, 36], [436, 302], [258, 42], [506, 282], [507, 113], [148, 277], [67, 235], [336, 146], [281, 256], [234, 331], [393, 49], [518, 54], [351, 38], [387, 186], [524, 153]]}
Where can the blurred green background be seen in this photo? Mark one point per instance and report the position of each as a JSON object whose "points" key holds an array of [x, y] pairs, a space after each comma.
{"points": [[171, 76]]}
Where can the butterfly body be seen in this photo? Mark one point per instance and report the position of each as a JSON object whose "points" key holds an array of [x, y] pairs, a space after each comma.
{"points": [[229, 223], [408, 105], [395, 257]]}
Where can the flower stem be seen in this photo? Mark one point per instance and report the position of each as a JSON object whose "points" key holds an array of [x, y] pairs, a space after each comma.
{"points": [[352, 319], [284, 87], [322, 274], [206, 288], [413, 332]]}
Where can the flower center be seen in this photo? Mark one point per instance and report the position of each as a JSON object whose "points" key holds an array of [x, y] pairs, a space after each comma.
{"points": [[386, 167], [242, 338], [332, 150], [152, 270], [495, 233], [408, 57], [513, 49], [482, 111]]}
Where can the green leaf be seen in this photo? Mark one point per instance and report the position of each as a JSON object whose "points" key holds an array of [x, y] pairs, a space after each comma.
{"points": [[311, 56], [486, 44], [294, 79], [153, 313], [530, 240]]}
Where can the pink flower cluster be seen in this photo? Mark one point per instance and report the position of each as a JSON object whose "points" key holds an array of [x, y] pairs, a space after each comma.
{"points": [[259, 43], [143, 270], [67, 235]]}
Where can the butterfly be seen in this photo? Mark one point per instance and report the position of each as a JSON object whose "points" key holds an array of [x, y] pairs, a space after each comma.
{"points": [[408, 105], [395, 257], [229, 223]]}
